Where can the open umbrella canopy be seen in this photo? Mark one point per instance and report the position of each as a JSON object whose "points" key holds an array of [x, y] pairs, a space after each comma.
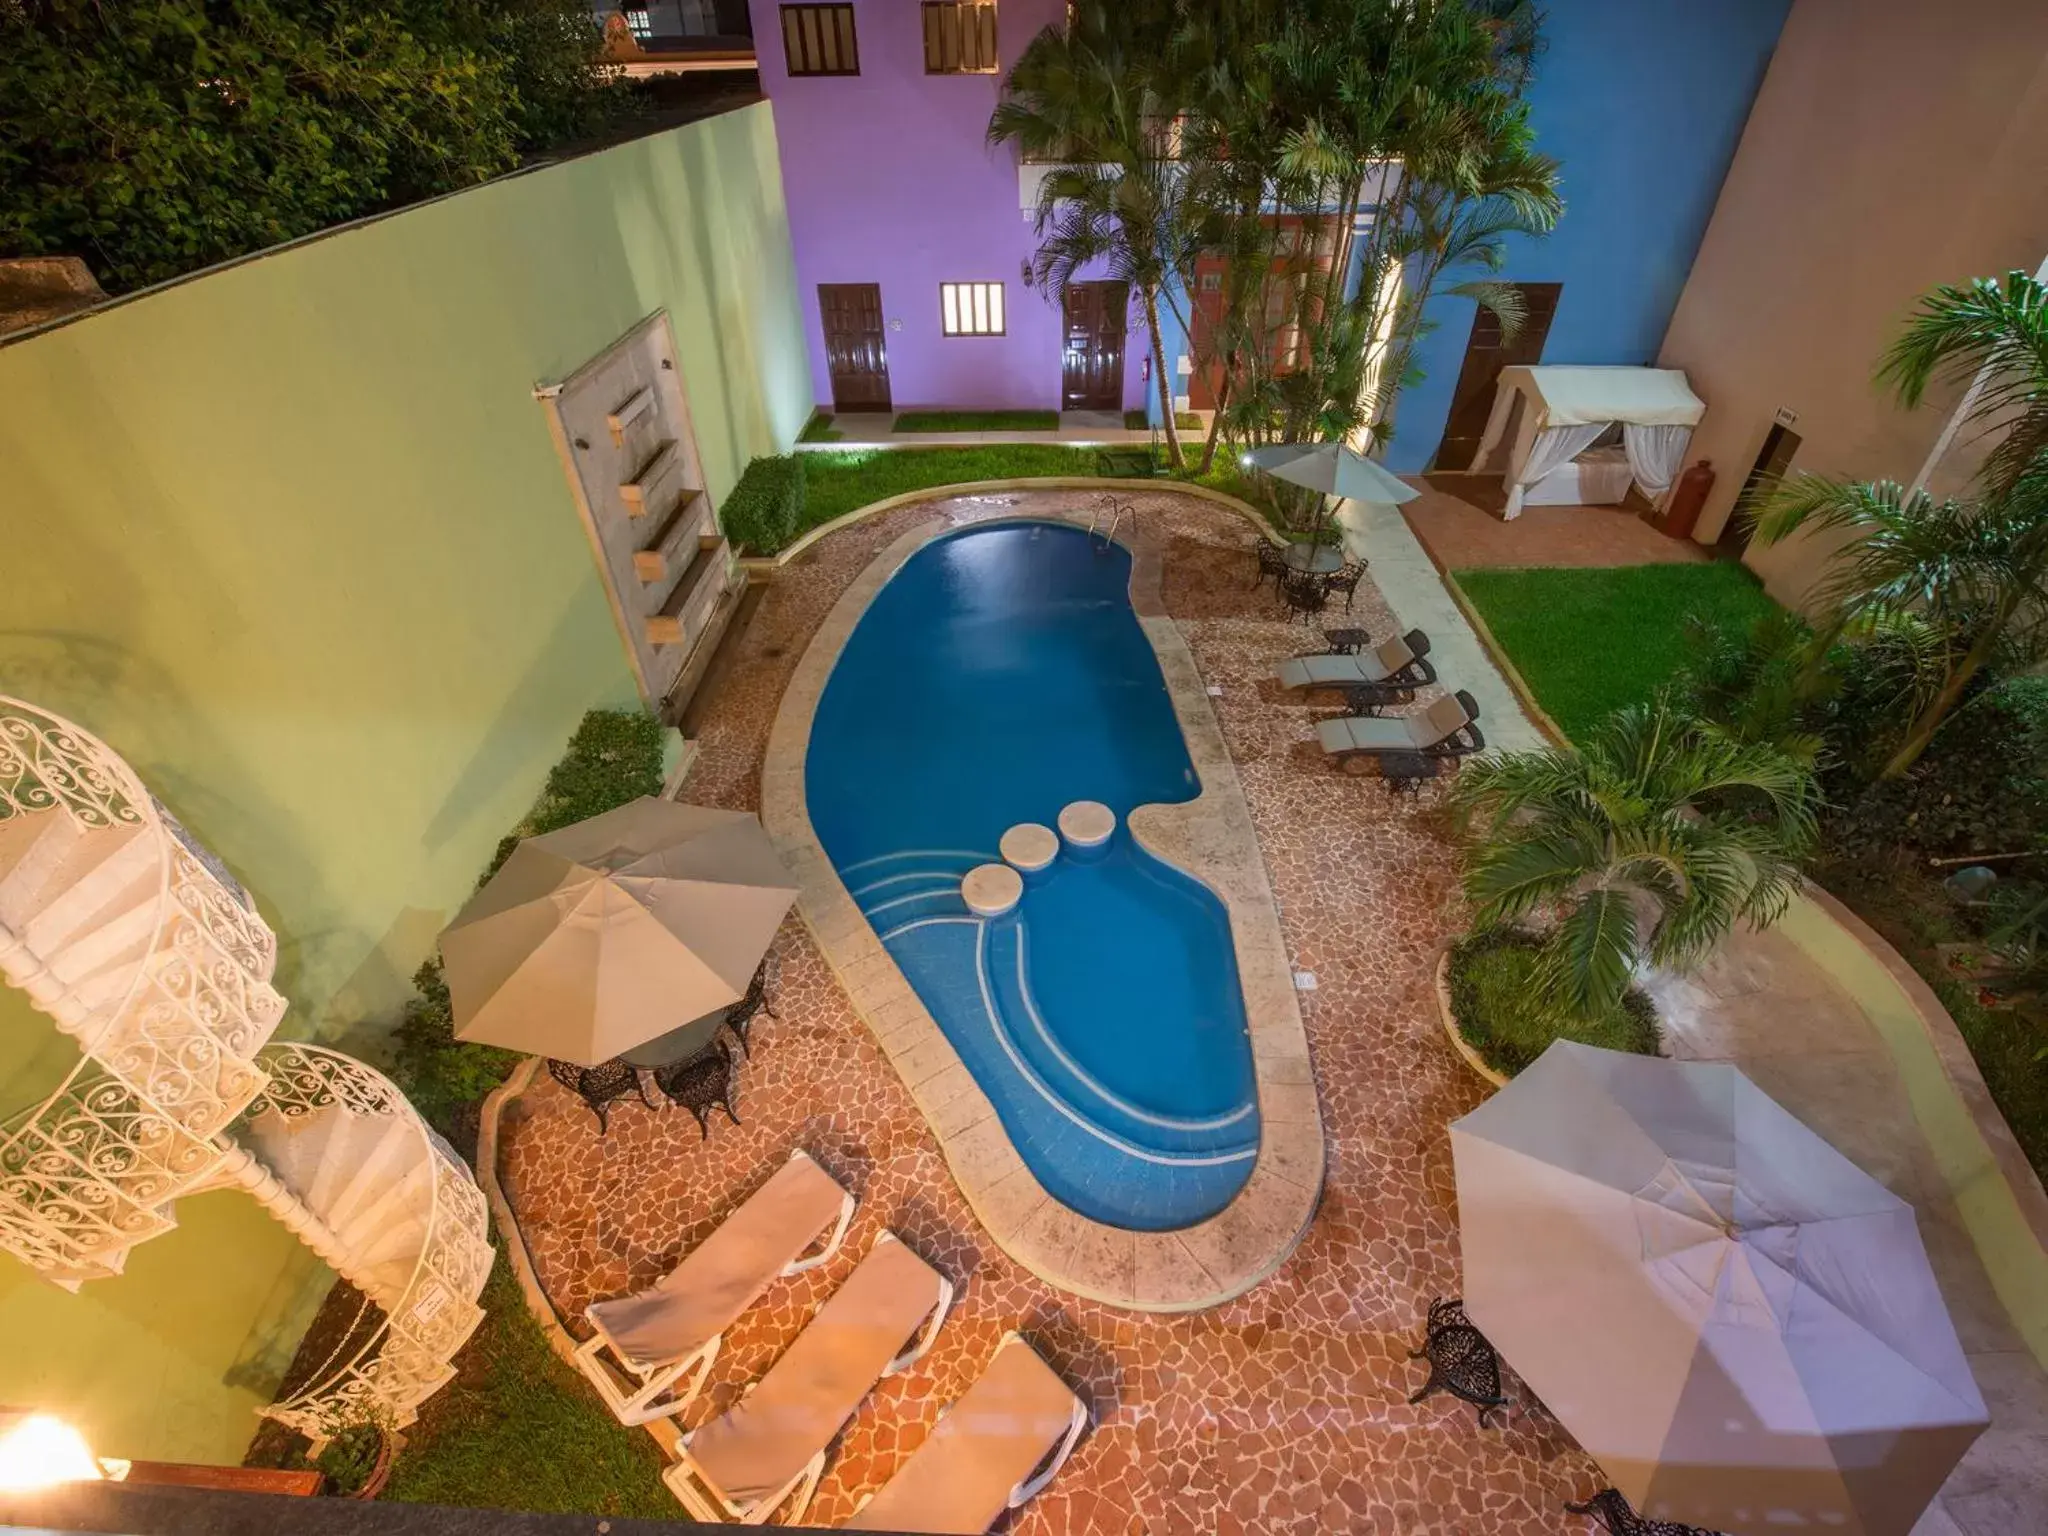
{"points": [[599, 937], [1333, 469], [1734, 1320]]}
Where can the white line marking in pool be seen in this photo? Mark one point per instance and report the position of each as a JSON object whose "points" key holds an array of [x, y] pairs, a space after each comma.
{"points": [[1045, 1092], [917, 853], [904, 901], [926, 922], [1102, 1091], [915, 874]]}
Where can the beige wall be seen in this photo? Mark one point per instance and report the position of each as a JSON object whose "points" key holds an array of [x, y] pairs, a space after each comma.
{"points": [[1896, 144]]}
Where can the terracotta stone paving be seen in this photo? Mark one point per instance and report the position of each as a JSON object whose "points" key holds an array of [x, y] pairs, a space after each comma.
{"points": [[1455, 519], [1282, 1411]]}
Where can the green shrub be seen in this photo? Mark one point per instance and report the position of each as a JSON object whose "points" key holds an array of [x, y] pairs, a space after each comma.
{"points": [[766, 509], [615, 756], [1495, 999], [1981, 786]]}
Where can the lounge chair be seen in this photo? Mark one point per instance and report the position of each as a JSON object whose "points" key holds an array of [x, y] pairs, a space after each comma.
{"points": [[769, 1448], [646, 1341], [1447, 728], [993, 1450], [1398, 663]]}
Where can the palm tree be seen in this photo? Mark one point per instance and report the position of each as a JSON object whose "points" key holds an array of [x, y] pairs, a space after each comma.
{"points": [[1968, 577], [1099, 97], [1650, 842], [1993, 333]]}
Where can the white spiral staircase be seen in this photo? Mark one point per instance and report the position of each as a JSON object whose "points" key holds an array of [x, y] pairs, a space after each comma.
{"points": [[155, 962]]}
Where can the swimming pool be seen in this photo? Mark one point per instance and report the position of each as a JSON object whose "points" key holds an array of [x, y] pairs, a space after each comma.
{"points": [[998, 676]]}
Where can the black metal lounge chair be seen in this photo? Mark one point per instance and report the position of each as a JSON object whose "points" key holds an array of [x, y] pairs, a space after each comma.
{"points": [[1447, 729], [600, 1086], [1395, 664]]}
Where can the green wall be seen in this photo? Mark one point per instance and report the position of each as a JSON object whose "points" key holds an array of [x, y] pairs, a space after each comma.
{"points": [[292, 536]]}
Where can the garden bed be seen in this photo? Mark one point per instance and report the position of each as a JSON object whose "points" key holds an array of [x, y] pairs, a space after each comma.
{"points": [[1489, 979]]}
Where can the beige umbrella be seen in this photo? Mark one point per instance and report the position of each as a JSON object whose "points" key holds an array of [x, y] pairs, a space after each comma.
{"points": [[1733, 1319], [599, 937]]}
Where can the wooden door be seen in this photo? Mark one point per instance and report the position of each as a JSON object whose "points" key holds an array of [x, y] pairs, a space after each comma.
{"points": [[1092, 367], [1486, 353], [856, 351], [1772, 460]]}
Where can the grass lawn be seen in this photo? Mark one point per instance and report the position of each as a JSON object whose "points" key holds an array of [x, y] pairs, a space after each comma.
{"points": [[1492, 982], [519, 1429], [1589, 641], [1187, 421], [819, 429], [839, 482], [978, 421]]}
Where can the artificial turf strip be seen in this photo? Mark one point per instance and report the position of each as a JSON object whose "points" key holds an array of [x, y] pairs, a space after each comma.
{"points": [[820, 429], [978, 421], [1138, 421], [1588, 641], [518, 1429]]}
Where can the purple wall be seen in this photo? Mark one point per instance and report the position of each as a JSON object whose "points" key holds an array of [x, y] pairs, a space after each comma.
{"points": [[889, 181]]}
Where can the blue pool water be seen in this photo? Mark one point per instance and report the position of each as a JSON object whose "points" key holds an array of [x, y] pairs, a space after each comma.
{"points": [[997, 677]]}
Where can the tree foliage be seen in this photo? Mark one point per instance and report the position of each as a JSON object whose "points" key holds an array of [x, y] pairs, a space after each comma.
{"points": [[153, 137], [1651, 814]]}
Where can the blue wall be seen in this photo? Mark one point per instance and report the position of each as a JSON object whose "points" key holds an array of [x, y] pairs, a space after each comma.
{"points": [[1643, 102]]}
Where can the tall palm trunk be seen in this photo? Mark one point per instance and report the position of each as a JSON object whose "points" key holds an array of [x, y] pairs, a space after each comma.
{"points": [[1219, 405], [1173, 453]]}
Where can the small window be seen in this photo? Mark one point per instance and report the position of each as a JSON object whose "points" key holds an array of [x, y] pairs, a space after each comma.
{"points": [[959, 39], [971, 309], [818, 40], [640, 24]]}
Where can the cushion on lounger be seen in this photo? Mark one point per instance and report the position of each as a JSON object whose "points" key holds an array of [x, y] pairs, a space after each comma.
{"points": [[1443, 719], [723, 1275], [1360, 733], [755, 1447], [1393, 656], [995, 1437]]}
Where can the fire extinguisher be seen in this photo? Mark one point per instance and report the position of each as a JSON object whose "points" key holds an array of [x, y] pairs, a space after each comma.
{"points": [[1690, 495]]}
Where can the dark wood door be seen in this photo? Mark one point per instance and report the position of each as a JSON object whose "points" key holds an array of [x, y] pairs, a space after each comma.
{"points": [[1772, 460], [1092, 369], [1486, 353], [856, 350]]}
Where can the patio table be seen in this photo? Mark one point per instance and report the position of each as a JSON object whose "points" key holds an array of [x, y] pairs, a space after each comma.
{"points": [[1319, 559]]}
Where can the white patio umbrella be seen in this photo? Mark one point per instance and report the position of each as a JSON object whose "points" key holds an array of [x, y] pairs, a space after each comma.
{"points": [[597, 938], [1333, 469], [1733, 1319]]}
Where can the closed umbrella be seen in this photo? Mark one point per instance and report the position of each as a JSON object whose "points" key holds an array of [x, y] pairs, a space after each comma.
{"points": [[1734, 1320], [597, 938]]}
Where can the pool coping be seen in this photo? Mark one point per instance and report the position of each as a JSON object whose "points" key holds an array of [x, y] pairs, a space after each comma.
{"points": [[1211, 839]]}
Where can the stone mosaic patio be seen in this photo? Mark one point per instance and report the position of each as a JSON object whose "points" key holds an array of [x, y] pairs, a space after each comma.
{"points": [[1284, 1410]]}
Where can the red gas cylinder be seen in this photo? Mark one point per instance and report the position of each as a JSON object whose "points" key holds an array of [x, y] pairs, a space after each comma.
{"points": [[1687, 497]]}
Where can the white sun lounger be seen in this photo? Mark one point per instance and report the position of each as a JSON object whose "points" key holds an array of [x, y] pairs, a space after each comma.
{"points": [[769, 1448], [1389, 659], [646, 1341], [993, 1450]]}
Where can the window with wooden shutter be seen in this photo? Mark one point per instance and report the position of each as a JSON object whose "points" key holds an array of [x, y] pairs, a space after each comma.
{"points": [[971, 309], [959, 39], [819, 40]]}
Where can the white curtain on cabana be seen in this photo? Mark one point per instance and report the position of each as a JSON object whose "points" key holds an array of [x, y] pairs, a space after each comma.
{"points": [[1545, 417], [1553, 446], [1654, 454]]}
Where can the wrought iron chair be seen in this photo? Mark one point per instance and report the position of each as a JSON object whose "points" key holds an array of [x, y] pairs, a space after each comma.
{"points": [[1272, 562], [739, 1018], [600, 1086], [1461, 1362], [1615, 1515], [1304, 593], [702, 1083], [1346, 579]]}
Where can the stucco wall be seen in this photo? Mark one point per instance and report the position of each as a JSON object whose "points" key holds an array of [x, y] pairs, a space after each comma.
{"points": [[890, 180], [292, 537], [1894, 146], [1642, 102]]}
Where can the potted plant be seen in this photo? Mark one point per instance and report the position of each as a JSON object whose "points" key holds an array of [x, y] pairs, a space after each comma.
{"points": [[354, 1451]]}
